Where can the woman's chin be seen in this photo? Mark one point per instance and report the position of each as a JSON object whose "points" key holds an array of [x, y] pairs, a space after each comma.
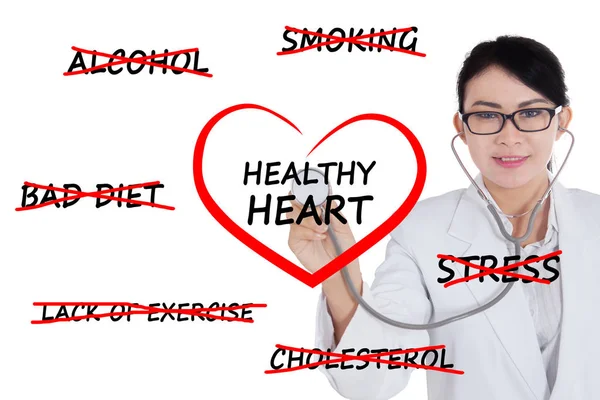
{"points": [[510, 179]]}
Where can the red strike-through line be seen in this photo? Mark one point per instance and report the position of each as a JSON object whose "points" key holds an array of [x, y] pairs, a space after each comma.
{"points": [[367, 357], [197, 312], [97, 195], [499, 271], [137, 60], [355, 40]]}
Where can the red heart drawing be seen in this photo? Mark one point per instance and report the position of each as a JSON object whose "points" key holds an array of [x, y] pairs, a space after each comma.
{"points": [[349, 255]]}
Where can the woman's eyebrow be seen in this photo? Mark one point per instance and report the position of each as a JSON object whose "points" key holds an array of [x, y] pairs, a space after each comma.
{"points": [[529, 102], [522, 104], [486, 103]]}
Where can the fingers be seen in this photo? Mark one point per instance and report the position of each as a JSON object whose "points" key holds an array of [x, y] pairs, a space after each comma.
{"points": [[309, 222], [298, 232], [335, 222]]}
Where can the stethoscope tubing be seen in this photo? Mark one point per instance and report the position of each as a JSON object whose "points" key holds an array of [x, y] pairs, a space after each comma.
{"points": [[515, 240]]}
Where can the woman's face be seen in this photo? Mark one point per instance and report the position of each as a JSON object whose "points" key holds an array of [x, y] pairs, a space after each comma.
{"points": [[509, 158]]}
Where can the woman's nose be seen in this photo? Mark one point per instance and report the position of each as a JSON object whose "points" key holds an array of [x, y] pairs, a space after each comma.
{"points": [[509, 133]]}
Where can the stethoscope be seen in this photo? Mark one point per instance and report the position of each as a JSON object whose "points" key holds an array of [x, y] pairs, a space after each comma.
{"points": [[320, 190]]}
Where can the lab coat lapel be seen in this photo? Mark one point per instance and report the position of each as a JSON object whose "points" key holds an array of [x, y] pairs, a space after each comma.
{"points": [[510, 319], [575, 240]]}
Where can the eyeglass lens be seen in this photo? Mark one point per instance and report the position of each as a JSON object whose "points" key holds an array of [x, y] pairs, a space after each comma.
{"points": [[526, 120]]}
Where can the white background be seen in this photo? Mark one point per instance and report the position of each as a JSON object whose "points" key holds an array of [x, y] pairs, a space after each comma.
{"points": [[91, 129]]}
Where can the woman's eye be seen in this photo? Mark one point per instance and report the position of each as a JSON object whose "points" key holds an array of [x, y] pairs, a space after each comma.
{"points": [[530, 113], [487, 115]]}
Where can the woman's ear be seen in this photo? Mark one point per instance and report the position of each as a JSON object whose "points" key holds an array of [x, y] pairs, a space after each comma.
{"points": [[458, 125], [564, 119]]}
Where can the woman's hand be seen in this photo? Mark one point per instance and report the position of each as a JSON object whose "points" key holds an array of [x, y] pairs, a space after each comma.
{"points": [[312, 245], [311, 242]]}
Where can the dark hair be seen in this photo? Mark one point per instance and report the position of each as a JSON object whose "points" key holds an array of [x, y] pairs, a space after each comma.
{"points": [[526, 59]]}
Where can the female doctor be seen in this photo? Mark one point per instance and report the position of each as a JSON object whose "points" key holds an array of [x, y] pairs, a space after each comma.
{"points": [[535, 343]]}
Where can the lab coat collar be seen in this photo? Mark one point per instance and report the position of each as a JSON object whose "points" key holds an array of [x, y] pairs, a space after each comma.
{"points": [[470, 199], [510, 320]]}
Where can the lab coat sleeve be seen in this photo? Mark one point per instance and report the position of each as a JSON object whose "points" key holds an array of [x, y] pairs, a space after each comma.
{"points": [[398, 292]]}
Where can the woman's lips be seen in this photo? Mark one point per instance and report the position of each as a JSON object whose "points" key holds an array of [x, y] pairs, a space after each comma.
{"points": [[510, 162]]}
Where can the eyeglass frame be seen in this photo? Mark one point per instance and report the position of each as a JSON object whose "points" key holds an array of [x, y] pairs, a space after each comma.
{"points": [[553, 112]]}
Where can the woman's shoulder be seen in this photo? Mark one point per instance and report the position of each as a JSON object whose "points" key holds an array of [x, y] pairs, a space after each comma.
{"points": [[585, 200], [583, 195], [440, 205], [433, 213], [451, 197]]}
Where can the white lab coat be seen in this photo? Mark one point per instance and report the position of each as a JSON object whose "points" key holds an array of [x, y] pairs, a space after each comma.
{"points": [[497, 349]]}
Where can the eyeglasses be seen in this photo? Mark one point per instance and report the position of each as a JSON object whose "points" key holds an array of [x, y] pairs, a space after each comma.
{"points": [[526, 120]]}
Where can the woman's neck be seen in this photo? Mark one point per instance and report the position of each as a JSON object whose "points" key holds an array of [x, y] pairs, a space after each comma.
{"points": [[514, 201], [521, 200]]}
